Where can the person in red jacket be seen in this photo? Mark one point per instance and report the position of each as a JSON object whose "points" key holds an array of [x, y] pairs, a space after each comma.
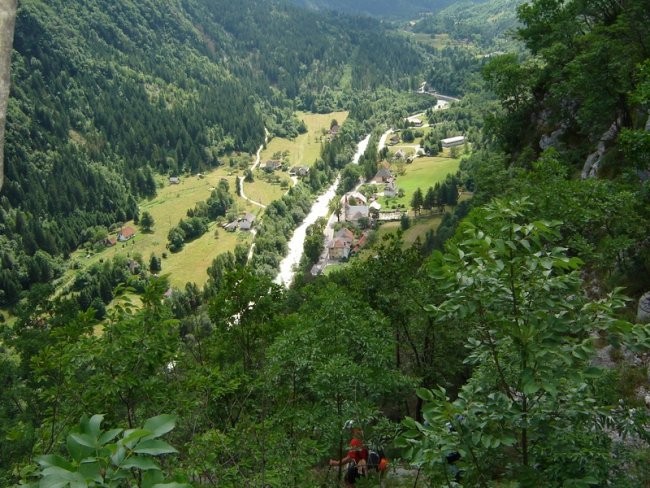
{"points": [[356, 459]]}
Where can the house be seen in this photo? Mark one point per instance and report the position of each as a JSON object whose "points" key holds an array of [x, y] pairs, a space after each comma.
{"points": [[174, 180], [360, 243], [375, 207], [110, 241], [246, 223], [272, 165], [453, 141], [354, 213], [400, 154], [346, 234], [383, 175], [394, 139], [355, 197], [390, 190], [334, 130], [299, 171], [231, 226], [125, 234], [339, 249], [416, 122]]}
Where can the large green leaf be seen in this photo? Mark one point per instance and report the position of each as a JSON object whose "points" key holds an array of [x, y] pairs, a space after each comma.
{"points": [[154, 447], [131, 437], [143, 463], [160, 425], [94, 424], [84, 440], [108, 436], [54, 460], [91, 472]]}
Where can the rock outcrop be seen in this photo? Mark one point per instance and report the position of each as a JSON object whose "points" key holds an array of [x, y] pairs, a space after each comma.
{"points": [[594, 160], [552, 139], [7, 24], [643, 310]]}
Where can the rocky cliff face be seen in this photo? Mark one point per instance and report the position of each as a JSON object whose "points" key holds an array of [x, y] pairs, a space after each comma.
{"points": [[594, 160], [7, 23], [643, 310]]}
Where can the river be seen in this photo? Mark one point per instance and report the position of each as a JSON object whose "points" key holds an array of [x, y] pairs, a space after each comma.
{"points": [[320, 208]]}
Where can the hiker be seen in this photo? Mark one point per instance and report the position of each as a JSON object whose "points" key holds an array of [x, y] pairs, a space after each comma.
{"points": [[356, 457]]}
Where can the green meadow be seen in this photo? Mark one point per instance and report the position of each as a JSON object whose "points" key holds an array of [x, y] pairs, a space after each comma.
{"points": [[167, 208], [421, 173], [304, 149]]}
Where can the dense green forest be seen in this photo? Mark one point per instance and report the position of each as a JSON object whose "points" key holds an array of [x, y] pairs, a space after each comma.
{"points": [[105, 97], [504, 352]]}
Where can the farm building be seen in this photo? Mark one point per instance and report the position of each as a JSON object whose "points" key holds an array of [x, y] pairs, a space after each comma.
{"points": [[453, 141], [125, 234]]}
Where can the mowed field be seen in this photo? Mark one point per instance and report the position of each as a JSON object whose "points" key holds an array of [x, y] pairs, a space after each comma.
{"points": [[304, 149], [421, 173], [167, 208]]}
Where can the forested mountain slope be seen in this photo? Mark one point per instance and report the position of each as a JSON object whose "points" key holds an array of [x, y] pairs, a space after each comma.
{"points": [[396, 9], [484, 23], [107, 94]]}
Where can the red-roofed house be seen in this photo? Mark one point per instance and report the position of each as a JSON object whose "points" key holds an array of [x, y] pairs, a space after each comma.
{"points": [[125, 234]]}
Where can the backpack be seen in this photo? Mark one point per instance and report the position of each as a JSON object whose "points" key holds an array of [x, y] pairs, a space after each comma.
{"points": [[377, 460]]}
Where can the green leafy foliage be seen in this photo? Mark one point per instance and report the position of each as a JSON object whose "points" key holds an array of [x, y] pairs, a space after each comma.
{"points": [[97, 459], [529, 339]]}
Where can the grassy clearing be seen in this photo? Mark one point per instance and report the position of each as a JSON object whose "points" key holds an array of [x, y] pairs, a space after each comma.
{"points": [[437, 41], [192, 262], [263, 191], [304, 149], [419, 228], [411, 146], [167, 208], [421, 173]]}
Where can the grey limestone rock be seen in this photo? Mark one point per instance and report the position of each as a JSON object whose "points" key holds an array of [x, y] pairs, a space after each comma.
{"points": [[592, 164], [643, 310], [7, 23]]}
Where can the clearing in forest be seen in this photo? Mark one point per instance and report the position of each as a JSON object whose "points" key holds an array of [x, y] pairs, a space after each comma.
{"points": [[421, 173], [304, 149], [167, 208], [301, 151]]}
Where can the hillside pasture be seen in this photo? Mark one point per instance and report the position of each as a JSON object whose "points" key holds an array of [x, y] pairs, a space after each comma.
{"points": [[304, 149], [421, 173], [167, 208], [264, 189]]}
